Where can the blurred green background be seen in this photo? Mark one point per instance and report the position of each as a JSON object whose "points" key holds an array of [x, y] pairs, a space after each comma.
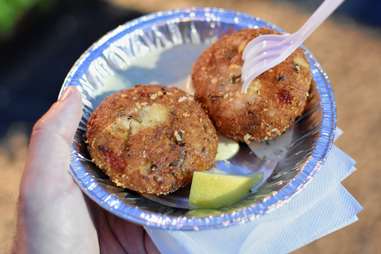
{"points": [[12, 11]]}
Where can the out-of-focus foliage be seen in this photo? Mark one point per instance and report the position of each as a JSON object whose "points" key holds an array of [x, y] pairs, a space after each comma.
{"points": [[11, 11]]}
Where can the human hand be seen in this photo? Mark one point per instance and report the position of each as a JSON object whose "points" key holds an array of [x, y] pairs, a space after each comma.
{"points": [[53, 214]]}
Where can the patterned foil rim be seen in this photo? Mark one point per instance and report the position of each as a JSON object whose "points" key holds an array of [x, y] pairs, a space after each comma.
{"points": [[108, 201]]}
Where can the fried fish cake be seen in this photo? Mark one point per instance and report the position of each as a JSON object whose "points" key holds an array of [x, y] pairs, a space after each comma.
{"points": [[273, 101], [151, 139]]}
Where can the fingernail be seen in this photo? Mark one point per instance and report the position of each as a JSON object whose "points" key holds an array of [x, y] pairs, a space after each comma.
{"points": [[67, 93]]}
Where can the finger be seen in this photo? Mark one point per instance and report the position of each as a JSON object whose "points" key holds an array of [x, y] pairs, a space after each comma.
{"points": [[130, 236], [108, 242], [49, 150], [52, 213], [63, 117], [54, 132], [150, 246]]}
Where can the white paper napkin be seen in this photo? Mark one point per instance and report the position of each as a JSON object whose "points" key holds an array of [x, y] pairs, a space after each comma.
{"points": [[323, 206]]}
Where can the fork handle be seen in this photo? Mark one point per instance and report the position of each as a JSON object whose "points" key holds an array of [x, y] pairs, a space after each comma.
{"points": [[320, 15]]}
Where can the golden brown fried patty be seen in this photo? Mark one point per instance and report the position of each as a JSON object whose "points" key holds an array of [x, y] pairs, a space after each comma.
{"points": [[150, 139], [272, 102]]}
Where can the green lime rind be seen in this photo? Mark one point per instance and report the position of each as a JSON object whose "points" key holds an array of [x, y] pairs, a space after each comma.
{"points": [[203, 212]]}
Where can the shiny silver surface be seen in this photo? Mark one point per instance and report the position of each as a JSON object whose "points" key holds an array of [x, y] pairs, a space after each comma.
{"points": [[160, 48]]}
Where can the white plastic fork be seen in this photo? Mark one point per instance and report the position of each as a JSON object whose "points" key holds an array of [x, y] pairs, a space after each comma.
{"points": [[267, 51]]}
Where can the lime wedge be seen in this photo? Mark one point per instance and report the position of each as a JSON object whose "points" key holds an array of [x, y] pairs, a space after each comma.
{"points": [[203, 212], [210, 190]]}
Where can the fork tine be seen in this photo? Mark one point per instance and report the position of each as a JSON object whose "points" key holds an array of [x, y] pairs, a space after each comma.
{"points": [[260, 59], [261, 42], [252, 71], [260, 68], [259, 48], [265, 55], [252, 49], [256, 50], [255, 72], [268, 46], [262, 38]]}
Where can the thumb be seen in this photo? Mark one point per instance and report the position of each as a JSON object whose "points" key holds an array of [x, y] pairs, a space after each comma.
{"points": [[53, 216], [49, 149], [63, 117]]}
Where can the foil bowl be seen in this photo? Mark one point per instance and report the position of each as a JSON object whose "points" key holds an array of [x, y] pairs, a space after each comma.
{"points": [[161, 48]]}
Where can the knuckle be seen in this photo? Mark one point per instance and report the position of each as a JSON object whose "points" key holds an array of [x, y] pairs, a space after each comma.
{"points": [[39, 127]]}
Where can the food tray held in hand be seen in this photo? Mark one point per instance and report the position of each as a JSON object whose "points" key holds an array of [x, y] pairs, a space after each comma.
{"points": [[161, 48]]}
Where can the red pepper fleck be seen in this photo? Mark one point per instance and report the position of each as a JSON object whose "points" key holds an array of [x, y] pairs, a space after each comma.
{"points": [[115, 161], [285, 96]]}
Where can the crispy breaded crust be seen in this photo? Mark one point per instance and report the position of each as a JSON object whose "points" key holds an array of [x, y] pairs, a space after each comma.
{"points": [[272, 102], [150, 138]]}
